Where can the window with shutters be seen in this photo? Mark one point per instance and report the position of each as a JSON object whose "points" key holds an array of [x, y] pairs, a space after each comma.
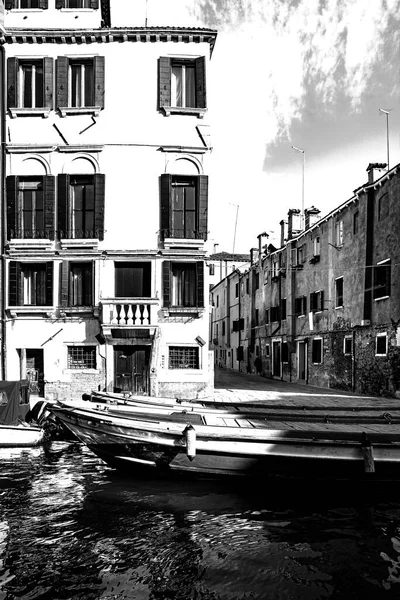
{"points": [[382, 280], [300, 306], [182, 86], [183, 284], [30, 86], [81, 206], [77, 4], [30, 284], [26, 4], [80, 85], [184, 207], [77, 283], [317, 301], [30, 207]]}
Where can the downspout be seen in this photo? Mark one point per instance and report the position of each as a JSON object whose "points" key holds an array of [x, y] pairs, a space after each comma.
{"points": [[353, 361], [3, 374]]}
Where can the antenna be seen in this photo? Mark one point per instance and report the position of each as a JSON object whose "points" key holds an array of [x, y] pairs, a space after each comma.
{"points": [[145, 21], [386, 112], [234, 235], [303, 152]]}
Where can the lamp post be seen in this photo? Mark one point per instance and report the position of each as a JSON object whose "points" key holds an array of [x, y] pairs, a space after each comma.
{"points": [[386, 112], [303, 152], [234, 234]]}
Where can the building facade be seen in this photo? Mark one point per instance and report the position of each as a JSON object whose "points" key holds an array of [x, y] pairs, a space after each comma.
{"points": [[105, 207], [324, 308]]}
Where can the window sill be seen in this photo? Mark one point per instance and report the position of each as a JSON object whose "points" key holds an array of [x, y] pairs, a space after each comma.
{"points": [[79, 110], [183, 243], [174, 311], [30, 112], [19, 243], [382, 298], [14, 311], [79, 243], [339, 307], [178, 110]]}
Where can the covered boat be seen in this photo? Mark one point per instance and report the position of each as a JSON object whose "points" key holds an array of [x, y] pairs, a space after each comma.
{"points": [[209, 443], [15, 431]]}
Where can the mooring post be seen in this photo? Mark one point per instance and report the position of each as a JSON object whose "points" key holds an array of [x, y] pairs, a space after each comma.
{"points": [[368, 454]]}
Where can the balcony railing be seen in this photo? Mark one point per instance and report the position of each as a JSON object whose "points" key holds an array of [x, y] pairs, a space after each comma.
{"points": [[32, 234], [128, 313], [82, 234], [184, 234]]}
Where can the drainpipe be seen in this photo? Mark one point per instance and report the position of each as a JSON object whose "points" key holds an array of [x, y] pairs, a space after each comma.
{"points": [[353, 361], [3, 373]]}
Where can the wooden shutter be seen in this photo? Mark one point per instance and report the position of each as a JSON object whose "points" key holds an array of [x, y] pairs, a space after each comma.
{"points": [[94, 4], [43, 4], [165, 205], [60, 3], [49, 205], [203, 206], [10, 4], [12, 82], [62, 80], [98, 68], [48, 82], [99, 200], [200, 282], [62, 196], [321, 300], [164, 82], [312, 302], [166, 275], [201, 99], [12, 186], [14, 284], [49, 284], [64, 283]]}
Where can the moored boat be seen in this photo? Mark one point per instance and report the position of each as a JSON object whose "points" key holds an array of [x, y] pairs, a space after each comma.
{"points": [[15, 431], [209, 444]]}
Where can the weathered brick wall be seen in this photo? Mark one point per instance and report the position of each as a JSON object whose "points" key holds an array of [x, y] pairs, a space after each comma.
{"points": [[79, 384]]}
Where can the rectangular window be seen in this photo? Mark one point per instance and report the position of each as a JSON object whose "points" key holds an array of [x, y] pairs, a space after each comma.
{"points": [[81, 83], [81, 357], [82, 204], [223, 327], [239, 353], [78, 4], [339, 292], [381, 344], [301, 254], [339, 233], [183, 285], [31, 209], [184, 203], [132, 280], [348, 345], [182, 85], [275, 269], [29, 4], [383, 207], [382, 279], [31, 89], [211, 269], [317, 350], [266, 316], [300, 306], [257, 317], [34, 284], [283, 309], [316, 246], [247, 285], [81, 284], [317, 301], [257, 281], [236, 290], [183, 357], [274, 313], [355, 223]]}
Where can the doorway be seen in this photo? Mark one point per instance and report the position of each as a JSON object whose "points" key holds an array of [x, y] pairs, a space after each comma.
{"points": [[276, 359], [32, 369], [131, 369], [302, 360]]}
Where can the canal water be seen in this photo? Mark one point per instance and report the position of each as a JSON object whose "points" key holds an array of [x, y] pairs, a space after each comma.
{"points": [[71, 528]]}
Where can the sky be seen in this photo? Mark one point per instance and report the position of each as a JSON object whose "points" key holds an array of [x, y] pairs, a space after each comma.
{"points": [[306, 73]]}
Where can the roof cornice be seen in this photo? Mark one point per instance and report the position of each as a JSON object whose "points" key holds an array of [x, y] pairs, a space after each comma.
{"points": [[108, 35]]}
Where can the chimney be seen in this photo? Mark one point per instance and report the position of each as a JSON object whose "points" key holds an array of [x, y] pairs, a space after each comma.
{"points": [[294, 223], [283, 232], [374, 171], [311, 216]]}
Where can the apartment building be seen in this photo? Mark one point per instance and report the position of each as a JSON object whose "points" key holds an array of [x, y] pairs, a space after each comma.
{"points": [[105, 207], [324, 308]]}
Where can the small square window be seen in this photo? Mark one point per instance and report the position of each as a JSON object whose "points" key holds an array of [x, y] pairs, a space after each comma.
{"points": [[381, 344], [183, 357], [81, 357]]}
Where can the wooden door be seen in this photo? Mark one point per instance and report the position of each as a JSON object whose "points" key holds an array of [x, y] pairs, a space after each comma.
{"points": [[276, 359], [131, 369]]}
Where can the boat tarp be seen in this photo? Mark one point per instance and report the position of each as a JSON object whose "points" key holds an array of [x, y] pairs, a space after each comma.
{"points": [[10, 402]]}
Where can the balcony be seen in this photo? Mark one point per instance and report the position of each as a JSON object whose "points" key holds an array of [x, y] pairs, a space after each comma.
{"points": [[126, 314], [184, 238]]}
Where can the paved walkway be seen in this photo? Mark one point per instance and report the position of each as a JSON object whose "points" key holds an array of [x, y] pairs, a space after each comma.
{"points": [[231, 386]]}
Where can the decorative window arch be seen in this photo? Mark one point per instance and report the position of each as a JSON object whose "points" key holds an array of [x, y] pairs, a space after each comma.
{"points": [[82, 164]]}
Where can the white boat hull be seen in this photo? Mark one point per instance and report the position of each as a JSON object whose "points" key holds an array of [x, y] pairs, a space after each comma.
{"points": [[15, 436]]}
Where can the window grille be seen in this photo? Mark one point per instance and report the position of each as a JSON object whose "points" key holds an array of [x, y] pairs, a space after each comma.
{"points": [[81, 357], [183, 357]]}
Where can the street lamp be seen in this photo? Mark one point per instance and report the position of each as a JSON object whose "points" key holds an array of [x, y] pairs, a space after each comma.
{"points": [[386, 112], [303, 152]]}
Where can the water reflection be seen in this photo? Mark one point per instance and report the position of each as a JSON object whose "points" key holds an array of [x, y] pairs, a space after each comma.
{"points": [[72, 528]]}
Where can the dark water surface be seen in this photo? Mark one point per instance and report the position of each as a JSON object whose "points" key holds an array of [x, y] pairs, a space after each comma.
{"points": [[72, 528]]}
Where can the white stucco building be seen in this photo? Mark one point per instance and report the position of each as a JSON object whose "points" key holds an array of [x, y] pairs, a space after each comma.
{"points": [[105, 204]]}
